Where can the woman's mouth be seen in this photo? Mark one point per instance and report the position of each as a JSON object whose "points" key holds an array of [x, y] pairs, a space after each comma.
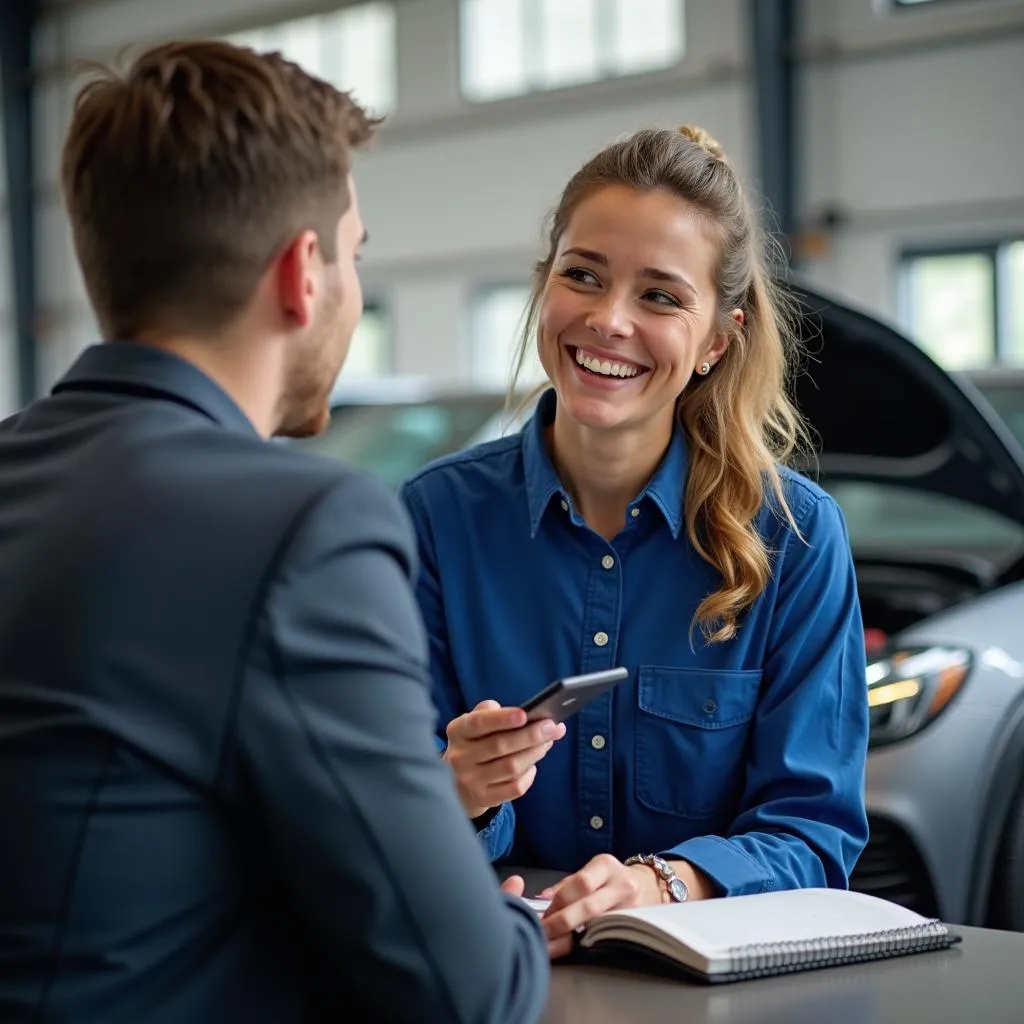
{"points": [[599, 366]]}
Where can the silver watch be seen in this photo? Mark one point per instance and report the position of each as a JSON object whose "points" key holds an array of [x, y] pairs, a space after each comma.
{"points": [[673, 883]]}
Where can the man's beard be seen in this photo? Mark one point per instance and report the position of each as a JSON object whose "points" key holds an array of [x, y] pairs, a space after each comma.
{"points": [[305, 404]]}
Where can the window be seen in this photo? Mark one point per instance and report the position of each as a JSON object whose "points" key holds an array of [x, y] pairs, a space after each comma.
{"points": [[394, 439], [964, 306], [353, 49], [497, 316], [369, 355], [512, 47]]}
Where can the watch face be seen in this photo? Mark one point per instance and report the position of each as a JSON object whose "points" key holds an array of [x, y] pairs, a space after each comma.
{"points": [[678, 889]]}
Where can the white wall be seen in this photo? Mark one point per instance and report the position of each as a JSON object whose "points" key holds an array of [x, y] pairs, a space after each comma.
{"points": [[912, 127]]}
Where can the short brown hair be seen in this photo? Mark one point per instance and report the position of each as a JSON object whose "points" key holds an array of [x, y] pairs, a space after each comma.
{"points": [[185, 175]]}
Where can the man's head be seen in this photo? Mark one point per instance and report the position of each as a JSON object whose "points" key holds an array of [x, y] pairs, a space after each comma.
{"points": [[210, 191]]}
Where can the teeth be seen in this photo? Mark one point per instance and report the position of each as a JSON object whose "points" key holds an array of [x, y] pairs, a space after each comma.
{"points": [[604, 367]]}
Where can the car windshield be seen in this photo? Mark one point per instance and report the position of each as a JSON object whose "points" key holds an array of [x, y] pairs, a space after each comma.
{"points": [[888, 520], [393, 440], [1007, 398]]}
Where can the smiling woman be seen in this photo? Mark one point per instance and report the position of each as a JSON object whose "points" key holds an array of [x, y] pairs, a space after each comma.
{"points": [[644, 518]]}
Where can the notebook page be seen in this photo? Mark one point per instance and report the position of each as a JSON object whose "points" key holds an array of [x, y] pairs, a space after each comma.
{"points": [[710, 927]]}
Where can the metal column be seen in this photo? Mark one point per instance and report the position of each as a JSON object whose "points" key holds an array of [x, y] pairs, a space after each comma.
{"points": [[16, 22], [773, 31]]}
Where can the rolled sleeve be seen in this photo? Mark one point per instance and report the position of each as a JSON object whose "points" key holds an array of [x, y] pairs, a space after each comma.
{"points": [[803, 821]]}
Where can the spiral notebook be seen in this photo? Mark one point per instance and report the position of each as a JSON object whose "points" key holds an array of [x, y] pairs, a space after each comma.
{"points": [[769, 933]]}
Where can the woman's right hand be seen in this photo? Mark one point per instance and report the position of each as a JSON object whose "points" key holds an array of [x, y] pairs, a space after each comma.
{"points": [[494, 753]]}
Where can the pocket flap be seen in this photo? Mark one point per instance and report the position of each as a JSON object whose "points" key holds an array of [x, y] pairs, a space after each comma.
{"points": [[706, 698]]}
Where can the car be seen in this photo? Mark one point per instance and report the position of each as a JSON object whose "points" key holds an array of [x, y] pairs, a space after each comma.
{"points": [[931, 483], [1003, 389]]}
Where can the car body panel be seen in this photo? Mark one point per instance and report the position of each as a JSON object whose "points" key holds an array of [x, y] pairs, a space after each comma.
{"points": [[936, 785]]}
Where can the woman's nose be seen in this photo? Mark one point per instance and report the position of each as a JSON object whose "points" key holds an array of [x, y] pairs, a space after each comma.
{"points": [[610, 317]]}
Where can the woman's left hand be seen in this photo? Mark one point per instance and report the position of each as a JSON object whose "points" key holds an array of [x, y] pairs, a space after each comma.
{"points": [[603, 884]]}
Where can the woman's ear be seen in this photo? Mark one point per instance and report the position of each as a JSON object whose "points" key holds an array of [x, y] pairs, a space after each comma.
{"points": [[721, 340]]}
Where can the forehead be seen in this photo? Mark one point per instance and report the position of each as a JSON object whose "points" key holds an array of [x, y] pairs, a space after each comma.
{"points": [[648, 228]]}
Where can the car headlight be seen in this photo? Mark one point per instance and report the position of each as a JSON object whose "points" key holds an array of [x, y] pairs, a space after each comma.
{"points": [[909, 687]]}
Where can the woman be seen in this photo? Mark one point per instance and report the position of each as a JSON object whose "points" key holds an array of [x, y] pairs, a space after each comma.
{"points": [[643, 518]]}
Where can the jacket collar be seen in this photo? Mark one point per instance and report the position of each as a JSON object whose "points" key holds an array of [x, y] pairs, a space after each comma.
{"points": [[150, 372]]}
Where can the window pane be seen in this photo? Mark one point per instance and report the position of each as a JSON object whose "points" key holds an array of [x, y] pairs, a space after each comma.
{"points": [[952, 314], [369, 355], [497, 317], [353, 49], [511, 47], [568, 42], [1015, 297], [361, 54], [647, 35], [492, 49]]}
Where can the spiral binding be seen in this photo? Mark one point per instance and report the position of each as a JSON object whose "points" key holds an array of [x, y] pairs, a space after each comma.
{"points": [[763, 958]]}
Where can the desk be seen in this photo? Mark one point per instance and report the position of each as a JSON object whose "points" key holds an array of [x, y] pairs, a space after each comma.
{"points": [[979, 981]]}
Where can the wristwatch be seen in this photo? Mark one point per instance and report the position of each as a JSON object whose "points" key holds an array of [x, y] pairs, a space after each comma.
{"points": [[673, 883]]}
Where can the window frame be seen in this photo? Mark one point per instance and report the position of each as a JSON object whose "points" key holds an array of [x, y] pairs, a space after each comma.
{"points": [[993, 251]]}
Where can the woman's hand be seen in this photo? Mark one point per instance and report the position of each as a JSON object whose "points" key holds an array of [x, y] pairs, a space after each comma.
{"points": [[494, 754], [607, 884]]}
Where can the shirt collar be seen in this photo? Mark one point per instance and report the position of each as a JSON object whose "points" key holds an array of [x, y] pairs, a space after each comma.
{"points": [[665, 489], [145, 370]]}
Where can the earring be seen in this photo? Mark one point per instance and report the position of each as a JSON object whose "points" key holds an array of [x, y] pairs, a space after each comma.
{"points": [[704, 369]]}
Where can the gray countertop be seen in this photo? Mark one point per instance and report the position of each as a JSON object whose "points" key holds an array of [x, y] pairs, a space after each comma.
{"points": [[979, 981]]}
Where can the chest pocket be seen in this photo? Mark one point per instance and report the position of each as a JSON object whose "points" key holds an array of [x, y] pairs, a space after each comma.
{"points": [[692, 728]]}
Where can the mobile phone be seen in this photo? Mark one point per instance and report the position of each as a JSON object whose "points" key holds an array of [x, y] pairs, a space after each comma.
{"points": [[564, 697]]}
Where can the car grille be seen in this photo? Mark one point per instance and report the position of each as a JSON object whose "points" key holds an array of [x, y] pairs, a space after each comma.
{"points": [[892, 869]]}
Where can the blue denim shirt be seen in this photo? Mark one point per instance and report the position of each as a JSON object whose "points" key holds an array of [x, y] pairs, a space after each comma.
{"points": [[745, 758]]}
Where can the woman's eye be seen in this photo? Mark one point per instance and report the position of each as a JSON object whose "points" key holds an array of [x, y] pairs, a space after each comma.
{"points": [[661, 298], [580, 275]]}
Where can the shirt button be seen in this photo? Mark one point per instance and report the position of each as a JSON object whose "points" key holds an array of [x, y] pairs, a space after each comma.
{"points": [[634, 512], [601, 639], [565, 505], [710, 706], [597, 823], [597, 742], [608, 562]]}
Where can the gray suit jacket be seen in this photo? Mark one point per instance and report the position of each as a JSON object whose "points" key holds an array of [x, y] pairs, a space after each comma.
{"points": [[220, 797]]}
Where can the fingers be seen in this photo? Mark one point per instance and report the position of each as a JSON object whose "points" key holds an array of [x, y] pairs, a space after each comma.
{"points": [[514, 884], [603, 884], [513, 789], [493, 754], [486, 718]]}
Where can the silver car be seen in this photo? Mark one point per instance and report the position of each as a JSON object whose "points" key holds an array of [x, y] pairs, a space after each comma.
{"points": [[931, 482]]}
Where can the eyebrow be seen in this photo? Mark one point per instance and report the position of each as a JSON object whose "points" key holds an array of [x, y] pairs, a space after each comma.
{"points": [[652, 272]]}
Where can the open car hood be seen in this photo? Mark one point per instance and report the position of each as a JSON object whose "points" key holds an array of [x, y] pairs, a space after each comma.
{"points": [[883, 411]]}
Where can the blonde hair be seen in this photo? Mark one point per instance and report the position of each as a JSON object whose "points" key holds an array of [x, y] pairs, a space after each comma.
{"points": [[739, 422]]}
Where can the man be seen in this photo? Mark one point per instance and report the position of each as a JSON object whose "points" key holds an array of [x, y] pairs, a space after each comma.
{"points": [[220, 799]]}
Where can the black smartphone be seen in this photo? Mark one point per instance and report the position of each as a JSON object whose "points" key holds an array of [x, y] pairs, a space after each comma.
{"points": [[564, 697]]}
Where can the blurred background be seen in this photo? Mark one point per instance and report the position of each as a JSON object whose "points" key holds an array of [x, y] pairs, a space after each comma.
{"points": [[886, 135]]}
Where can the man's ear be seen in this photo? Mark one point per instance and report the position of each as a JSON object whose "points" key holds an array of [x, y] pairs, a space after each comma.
{"points": [[297, 278]]}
